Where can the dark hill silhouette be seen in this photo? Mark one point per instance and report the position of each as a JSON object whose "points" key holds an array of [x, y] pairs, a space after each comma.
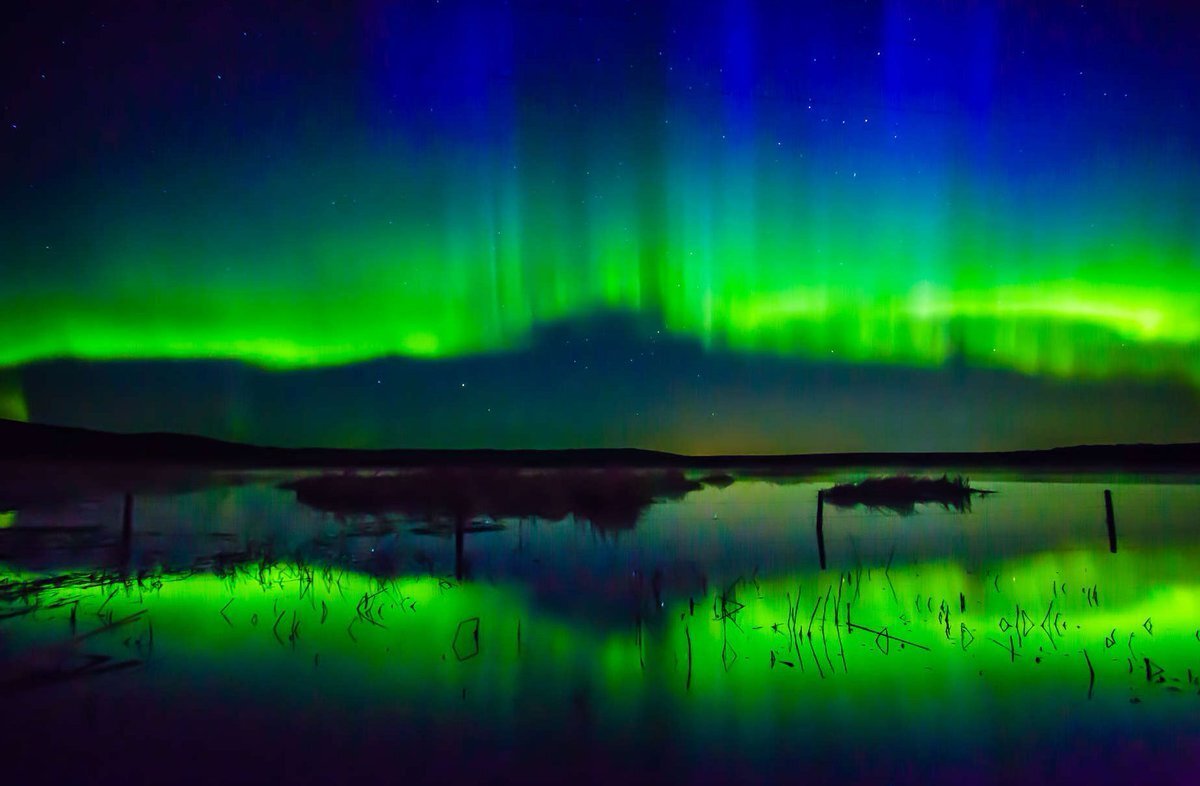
{"points": [[31, 441]]}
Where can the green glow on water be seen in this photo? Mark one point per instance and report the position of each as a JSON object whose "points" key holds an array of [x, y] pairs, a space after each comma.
{"points": [[1019, 643], [704, 634]]}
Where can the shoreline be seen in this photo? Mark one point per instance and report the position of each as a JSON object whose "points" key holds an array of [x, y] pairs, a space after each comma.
{"points": [[29, 442]]}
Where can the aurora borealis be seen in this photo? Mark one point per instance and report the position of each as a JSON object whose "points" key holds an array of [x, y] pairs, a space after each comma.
{"points": [[889, 188]]}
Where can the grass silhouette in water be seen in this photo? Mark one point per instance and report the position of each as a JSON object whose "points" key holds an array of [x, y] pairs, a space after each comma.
{"points": [[902, 493]]}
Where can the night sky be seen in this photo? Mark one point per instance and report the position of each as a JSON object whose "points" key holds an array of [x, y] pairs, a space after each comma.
{"points": [[695, 226]]}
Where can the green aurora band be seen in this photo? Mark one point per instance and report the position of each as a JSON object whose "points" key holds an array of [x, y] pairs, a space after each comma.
{"points": [[850, 274], [455, 200]]}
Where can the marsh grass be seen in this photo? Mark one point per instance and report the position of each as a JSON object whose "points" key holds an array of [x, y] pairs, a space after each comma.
{"points": [[902, 493]]}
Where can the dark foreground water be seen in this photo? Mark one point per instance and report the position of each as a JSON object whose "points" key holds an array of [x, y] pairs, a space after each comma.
{"points": [[237, 634]]}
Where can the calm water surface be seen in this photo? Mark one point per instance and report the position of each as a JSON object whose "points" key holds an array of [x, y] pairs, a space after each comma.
{"points": [[236, 634]]}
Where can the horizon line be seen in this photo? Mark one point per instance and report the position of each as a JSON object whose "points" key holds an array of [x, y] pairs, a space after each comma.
{"points": [[21, 438]]}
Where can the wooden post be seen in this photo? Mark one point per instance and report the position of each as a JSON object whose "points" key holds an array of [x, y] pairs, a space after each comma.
{"points": [[125, 554], [1111, 521], [127, 520], [458, 547], [821, 527]]}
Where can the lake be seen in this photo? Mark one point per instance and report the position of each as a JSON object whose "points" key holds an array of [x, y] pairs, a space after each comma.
{"points": [[235, 626]]}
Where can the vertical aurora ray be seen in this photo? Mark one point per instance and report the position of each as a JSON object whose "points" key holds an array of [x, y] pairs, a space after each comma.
{"points": [[758, 182]]}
